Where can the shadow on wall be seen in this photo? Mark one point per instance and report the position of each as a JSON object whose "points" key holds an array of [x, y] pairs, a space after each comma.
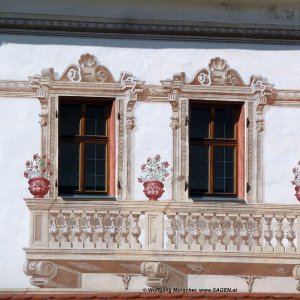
{"points": [[138, 43]]}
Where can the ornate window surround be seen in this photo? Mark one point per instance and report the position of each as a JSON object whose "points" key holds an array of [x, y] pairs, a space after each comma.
{"points": [[215, 83]]}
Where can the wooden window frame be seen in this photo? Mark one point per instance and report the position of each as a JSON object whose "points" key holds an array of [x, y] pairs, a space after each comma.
{"points": [[237, 142], [82, 138]]}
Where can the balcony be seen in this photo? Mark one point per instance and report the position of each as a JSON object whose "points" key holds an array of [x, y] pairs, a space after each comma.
{"points": [[164, 241]]}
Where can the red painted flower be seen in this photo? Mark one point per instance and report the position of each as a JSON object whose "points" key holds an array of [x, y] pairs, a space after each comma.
{"points": [[26, 174], [44, 156], [27, 163], [143, 166], [51, 173], [167, 174], [148, 160], [48, 163], [44, 170], [140, 180], [35, 156], [36, 166], [293, 182], [165, 164], [157, 157]]}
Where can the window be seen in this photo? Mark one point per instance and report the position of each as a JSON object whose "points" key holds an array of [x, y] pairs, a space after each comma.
{"points": [[86, 146], [216, 150]]}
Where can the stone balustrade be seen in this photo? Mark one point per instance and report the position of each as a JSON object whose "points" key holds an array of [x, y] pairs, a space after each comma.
{"points": [[164, 226]]}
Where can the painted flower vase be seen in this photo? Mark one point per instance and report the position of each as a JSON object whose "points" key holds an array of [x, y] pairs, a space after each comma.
{"points": [[153, 189], [297, 189], [38, 186]]}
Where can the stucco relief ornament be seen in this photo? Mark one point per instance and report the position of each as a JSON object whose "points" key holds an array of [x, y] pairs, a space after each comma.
{"points": [[296, 181], [37, 171], [87, 70], [154, 173]]}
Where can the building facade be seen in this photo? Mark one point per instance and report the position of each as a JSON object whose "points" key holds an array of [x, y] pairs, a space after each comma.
{"points": [[113, 101]]}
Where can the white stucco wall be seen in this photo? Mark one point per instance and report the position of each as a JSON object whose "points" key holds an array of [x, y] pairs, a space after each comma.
{"points": [[281, 154], [19, 139], [152, 135], [150, 61]]}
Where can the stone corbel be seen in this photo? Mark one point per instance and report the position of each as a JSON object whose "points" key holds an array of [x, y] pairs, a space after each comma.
{"points": [[296, 275], [161, 275], [46, 274], [42, 95]]}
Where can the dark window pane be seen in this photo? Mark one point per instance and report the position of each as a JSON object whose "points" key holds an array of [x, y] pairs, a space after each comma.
{"points": [[69, 118], [224, 169], [95, 119], [198, 169], [224, 122], [199, 126], [68, 174], [95, 167]]}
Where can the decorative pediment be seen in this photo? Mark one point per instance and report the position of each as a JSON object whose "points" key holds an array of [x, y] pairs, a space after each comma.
{"points": [[217, 74], [87, 70]]}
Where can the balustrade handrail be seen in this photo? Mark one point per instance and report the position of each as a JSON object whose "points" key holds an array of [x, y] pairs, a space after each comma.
{"points": [[166, 207]]}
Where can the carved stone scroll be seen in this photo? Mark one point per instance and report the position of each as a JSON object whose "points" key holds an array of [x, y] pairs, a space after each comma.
{"points": [[46, 274], [161, 275]]}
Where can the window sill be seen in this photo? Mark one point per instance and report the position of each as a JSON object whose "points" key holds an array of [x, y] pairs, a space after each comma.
{"points": [[87, 197], [218, 199]]}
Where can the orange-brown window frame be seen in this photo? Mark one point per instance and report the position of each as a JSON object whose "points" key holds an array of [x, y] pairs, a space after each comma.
{"points": [[237, 142], [81, 139]]}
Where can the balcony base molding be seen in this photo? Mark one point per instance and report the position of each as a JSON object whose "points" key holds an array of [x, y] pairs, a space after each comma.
{"points": [[47, 274], [162, 275]]}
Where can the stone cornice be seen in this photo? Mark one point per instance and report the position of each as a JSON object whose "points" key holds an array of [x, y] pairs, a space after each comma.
{"points": [[142, 29]]}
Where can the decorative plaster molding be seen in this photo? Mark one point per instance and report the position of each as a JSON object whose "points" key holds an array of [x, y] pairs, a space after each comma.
{"points": [[174, 122], [250, 281], [47, 274], [121, 151], [85, 266], [197, 268], [296, 275], [130, 122], [161, 275], [217, 74], [197, 31], [87, 70]]}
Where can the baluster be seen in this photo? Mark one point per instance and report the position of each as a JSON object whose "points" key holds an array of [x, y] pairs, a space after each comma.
{"points": [[53, 231], [183, 232], [214, 229], [207, 234], [77, 231], [244, 246], [124, 232], [256, 246], [171, 232], [232, 235], [268, 234], [290, 235], [100, 230], [201, 228], [135, 232], [195, 233], [279, 235], [88, 230], [112, 231], [220, 234], [65, 230]]}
